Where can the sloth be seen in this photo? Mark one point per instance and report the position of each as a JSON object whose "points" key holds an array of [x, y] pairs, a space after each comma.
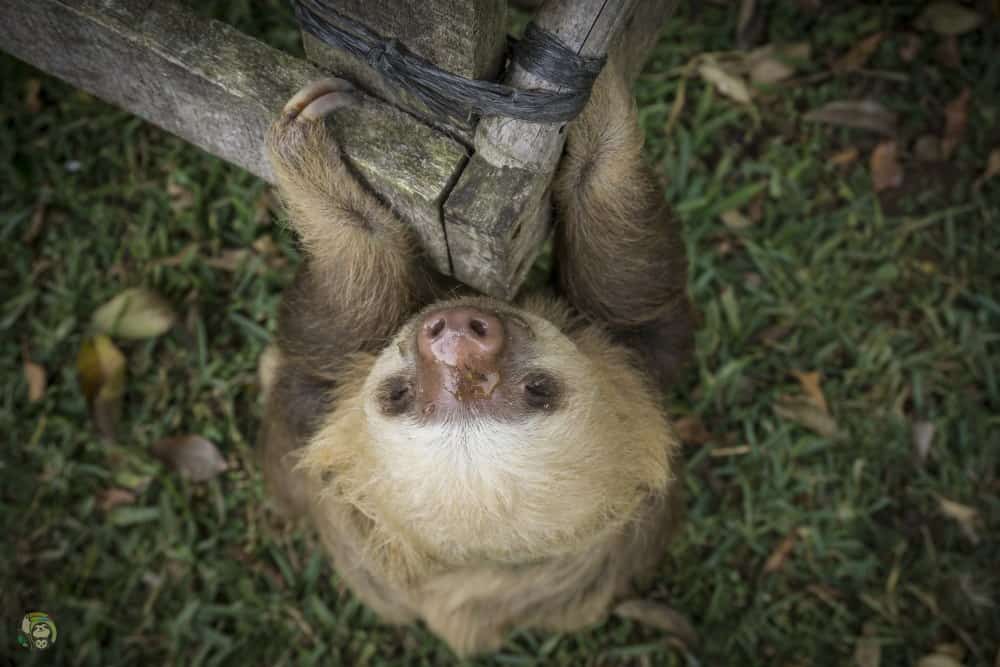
{"points": [[477, 464]]}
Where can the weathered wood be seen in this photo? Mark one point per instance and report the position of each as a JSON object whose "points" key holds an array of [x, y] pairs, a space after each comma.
{"points": [[219, 89], [465, 37], [512, 157]]}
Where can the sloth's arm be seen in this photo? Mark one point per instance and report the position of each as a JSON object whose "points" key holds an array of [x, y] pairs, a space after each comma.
{"points": [[363, 274], [619, 250]]}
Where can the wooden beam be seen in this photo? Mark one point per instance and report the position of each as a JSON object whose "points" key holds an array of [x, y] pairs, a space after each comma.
{"points": [[515, 160], [465, 37], [219, 89]]}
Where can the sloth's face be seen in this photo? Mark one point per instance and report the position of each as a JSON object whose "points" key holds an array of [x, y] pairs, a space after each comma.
{"points": [[470, 362], [490, 433]]}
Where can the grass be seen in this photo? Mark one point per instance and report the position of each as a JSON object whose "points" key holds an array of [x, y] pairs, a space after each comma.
{"points": [[892, 297]]}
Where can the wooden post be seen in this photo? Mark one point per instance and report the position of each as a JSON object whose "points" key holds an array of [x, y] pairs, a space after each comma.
{"points": [[499, 212], [220, 89]]}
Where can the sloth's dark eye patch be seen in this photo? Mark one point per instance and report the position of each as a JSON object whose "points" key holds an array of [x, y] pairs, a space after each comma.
{"points": [[542, 392], [395, 395]]}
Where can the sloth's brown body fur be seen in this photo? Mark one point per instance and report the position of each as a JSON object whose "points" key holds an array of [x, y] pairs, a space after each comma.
{"points": [[475, 551]]}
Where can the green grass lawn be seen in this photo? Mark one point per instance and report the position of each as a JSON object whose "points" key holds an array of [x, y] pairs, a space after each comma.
{"points": [[815, 537]]}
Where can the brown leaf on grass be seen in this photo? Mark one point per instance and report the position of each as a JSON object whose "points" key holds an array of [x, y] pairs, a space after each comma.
{"points": [[846, 157], [181, 197], [780, 554], [727, 82], [774, 63], [992, 169], [34, 376], [956, 117], [802, 411], [692, 431], [660, 616], [135, 313], [191, 456], [734, 220], [948, 18], [923, 436], [180, 258], [927, 148], [811, 386], [947, 53], [230, 259], [860, 114], [755, 211], [113, 497], [859, 54], [101, 372], [33, 95], [909, 49], [967, 517], [886, 170], [868, 650], [938, 660]]}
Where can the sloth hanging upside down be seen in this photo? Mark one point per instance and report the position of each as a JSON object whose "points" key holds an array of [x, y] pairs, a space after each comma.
{"points": [[477, 464]]}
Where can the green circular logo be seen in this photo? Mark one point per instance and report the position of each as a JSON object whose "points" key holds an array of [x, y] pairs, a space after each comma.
{"points": [[37, 631]]}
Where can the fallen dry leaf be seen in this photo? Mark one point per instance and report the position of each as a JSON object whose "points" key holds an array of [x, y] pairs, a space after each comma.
{"points": [[108, 499], [179, 259], [774, 63], [181, 198], [844, 158], [692, 431], [101, 371], [135, 313], [734, 220], [947, 53], [923, 436], [660, 616], [886, 170], [859, 54], [729, 83], [780, 554], [802, 411], [909, 49], [956, 117], [966, 516], [861, 114], [938, 660], [33, 95], [229, 260], [992, 169], [191, 456], [948, 18], [868, 650], [34, 376], [811, 386], [927, 148]]}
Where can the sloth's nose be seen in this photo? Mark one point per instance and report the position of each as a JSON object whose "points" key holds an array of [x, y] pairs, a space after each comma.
{"points": [[462, 337]]}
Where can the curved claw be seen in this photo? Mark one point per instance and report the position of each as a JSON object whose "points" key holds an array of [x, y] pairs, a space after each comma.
{"points": [[301, 102]]}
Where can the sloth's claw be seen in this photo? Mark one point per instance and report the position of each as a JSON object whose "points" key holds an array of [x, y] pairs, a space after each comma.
{"points": [[660, 616], [321, 97]]}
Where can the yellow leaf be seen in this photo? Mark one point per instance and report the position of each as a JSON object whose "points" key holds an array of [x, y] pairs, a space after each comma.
{"points": [[101, 371], [802, 410], [34, 375], [728, 83], [886, 170], [966, 516], [135, 313], [811, 386]]}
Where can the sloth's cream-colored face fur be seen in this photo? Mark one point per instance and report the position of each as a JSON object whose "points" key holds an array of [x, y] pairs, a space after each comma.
{"points": [[528, 479]]}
